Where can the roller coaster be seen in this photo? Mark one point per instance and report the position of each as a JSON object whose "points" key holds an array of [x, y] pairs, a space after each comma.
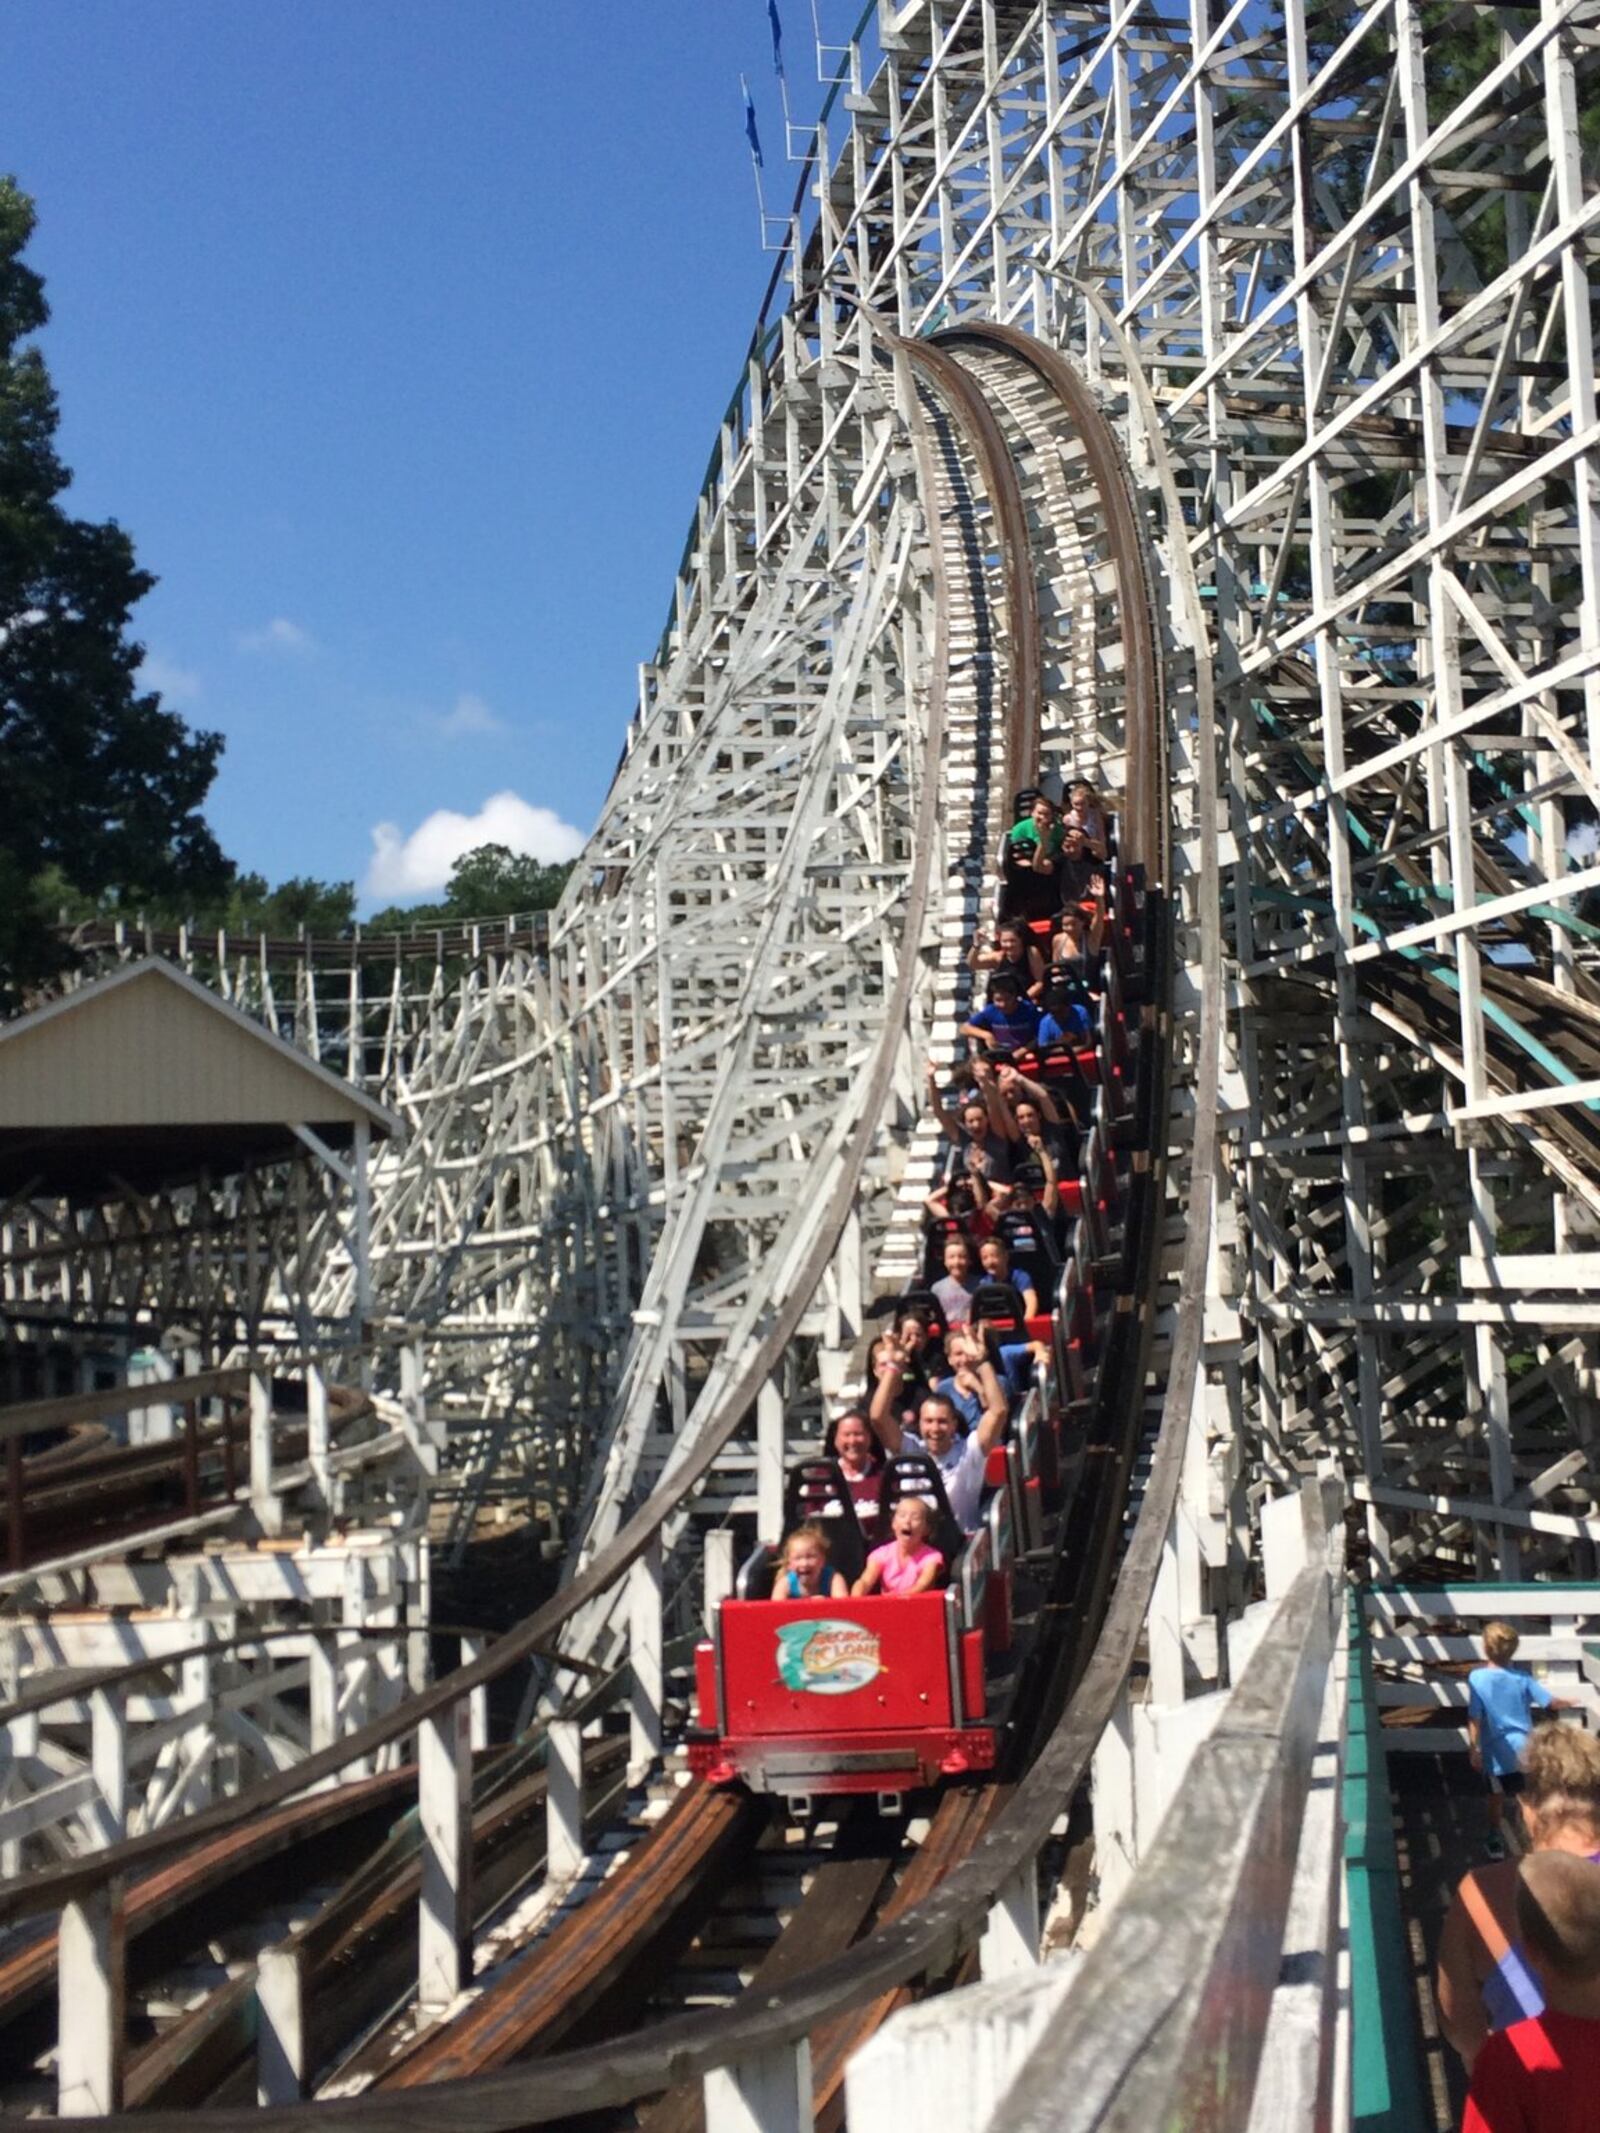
{"points": [[1201, 402]]}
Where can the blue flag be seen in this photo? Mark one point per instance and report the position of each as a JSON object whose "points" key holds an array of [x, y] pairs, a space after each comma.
{"points": [[751, 134], [777, 36]]}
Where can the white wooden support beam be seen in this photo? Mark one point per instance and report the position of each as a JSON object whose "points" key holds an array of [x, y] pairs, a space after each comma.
{"points": [[770, 2093], [108, 1759], [317, 1432], [719, 1573], [22, 1741], [425, 1441], [478, 1702], [200, 1737], [90, 1986], [1164, 1630], [444, 1805], [264, 1501], [324, 1688], [1283, 1543], [361, 1166], [1011, 1931], [769, 1461], [644, 1659], [563, 1798], [280, 2026], [1116, 1833]]}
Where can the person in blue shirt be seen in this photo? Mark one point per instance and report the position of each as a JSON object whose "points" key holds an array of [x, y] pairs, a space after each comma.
{"points": [[1010, 1022], [1500, 1706], [1067, 1018]]}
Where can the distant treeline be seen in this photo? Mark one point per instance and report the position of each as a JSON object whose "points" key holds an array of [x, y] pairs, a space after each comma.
{"points": [[491, 881]]}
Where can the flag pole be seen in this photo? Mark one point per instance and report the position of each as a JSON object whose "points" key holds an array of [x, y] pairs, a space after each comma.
{"points": [[754, 139], [775, 24]]}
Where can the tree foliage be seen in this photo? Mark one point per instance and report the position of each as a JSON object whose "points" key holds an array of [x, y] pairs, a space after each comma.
{"points": [[490, 881], [103, 788]]}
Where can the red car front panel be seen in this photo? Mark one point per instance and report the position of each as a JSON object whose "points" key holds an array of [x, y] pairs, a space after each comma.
{"points": [[838, 1696]]}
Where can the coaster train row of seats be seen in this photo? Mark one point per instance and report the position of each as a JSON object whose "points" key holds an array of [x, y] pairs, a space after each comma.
{"points": [[809, 1697]]}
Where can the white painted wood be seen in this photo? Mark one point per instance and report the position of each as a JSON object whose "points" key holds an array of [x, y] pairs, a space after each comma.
{"points": [[1011, 1933], [317, 1440], [478, 1702], [564, 1799], [1476, 1511], [1112, 1786], [108, 1759], [323, 1665], [265, 1501], [444, 1805], [1283, 1543], [280, 2026], [90, 1988], [34, 1811], [948, 2062], [647, 1693], [771, 1458], [767, 2094], [719, 1572], [1452, 1602], [1532, 1270]]}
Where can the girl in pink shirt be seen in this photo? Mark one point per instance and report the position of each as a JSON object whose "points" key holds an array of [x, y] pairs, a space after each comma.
{"points": [[908, 1563]]}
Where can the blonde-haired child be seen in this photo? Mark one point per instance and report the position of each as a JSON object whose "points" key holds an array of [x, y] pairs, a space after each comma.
{"points": [[909, 1563], [1500, 1707], [806, 1573]]}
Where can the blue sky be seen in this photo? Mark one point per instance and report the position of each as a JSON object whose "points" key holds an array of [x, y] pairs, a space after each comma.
{"points": [[396, 333]]}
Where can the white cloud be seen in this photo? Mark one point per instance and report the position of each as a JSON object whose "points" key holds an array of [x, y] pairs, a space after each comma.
{"points": [[1583, 843], [280, 635], [468, 715], [179, 685], [420, 865]]}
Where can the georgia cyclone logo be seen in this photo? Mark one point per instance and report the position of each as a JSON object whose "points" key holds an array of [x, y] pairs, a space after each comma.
{"points": [[827, 1658]]}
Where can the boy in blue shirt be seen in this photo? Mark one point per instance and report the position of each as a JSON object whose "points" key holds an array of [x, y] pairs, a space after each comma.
{"points": [[1010, 1022], [1500, 1708]]}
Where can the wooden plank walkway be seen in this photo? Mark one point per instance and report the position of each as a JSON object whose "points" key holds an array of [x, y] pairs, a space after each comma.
{"points": [[1441, 1818]]}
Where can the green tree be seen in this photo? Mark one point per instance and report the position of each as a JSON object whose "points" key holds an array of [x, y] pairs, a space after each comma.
{"points": [[103, 788], [490, 881], [300, 904]]}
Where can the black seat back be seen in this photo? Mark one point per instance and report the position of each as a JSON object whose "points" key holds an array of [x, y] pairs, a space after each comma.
{"points": [[816, 1493], [994, 1304], [940, 1229], [926, 1305], [1025, 893], [1033, 1253], [756, 1573]]}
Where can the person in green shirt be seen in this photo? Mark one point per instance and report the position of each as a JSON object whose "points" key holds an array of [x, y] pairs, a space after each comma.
{"points": [[1037, 838]]}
